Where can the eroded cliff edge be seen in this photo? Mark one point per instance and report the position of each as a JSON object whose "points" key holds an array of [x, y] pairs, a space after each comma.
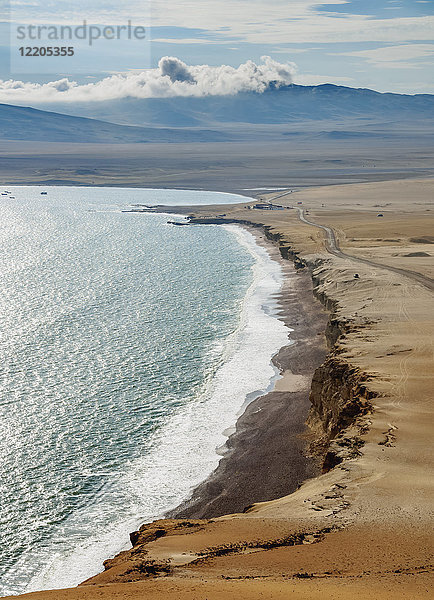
{"points": [[283, 438], [340, 396]]}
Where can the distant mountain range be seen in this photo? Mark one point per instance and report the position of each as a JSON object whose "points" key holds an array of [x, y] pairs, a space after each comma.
{"points": [[287, 104], [29, 124], [335, 111]]}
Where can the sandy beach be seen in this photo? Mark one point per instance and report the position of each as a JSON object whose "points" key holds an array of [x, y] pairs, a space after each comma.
{"points": [[358, 294], [268, 456]]}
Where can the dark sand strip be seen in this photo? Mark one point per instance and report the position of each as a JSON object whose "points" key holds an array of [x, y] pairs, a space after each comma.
{"points": [[267, 455]]}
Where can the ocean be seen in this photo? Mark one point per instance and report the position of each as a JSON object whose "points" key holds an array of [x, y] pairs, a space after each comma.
{"points": [[128, 349]]}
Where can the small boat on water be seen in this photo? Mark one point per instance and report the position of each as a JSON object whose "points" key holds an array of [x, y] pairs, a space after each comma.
{"points": [[44, 193]]}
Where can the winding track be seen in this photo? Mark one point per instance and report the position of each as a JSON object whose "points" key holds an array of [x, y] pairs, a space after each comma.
{"points": [[332, 247]]}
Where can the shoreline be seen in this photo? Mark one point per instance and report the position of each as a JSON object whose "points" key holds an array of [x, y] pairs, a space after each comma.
{"points": [[268, 299], [272, 428], [362, 526], [269, 248]]}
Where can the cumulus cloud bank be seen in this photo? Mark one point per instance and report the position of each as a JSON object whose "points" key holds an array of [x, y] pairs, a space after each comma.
{"points": [[172, 78]]}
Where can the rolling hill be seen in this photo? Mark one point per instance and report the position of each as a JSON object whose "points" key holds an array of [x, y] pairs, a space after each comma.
{"points": [[29, 124]]}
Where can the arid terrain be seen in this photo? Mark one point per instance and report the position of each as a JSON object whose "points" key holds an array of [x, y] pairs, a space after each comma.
{"points": [[298, 161], [363, 527]]}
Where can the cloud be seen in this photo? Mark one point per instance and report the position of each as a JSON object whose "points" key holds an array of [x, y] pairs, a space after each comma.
{"points": [[255, 21], [172, 78], [297, 21], [394, 57], [293, 50], [175, 70]]}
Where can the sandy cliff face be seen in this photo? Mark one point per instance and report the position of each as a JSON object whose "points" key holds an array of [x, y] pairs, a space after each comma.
{"points": [[340, 400], [340, 395]]}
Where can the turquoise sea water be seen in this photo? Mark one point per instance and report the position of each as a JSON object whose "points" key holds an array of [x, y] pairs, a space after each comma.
{"points": [[128, 346]]}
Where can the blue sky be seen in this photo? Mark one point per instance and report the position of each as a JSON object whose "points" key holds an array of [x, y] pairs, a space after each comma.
{"points": [[387, 45]]}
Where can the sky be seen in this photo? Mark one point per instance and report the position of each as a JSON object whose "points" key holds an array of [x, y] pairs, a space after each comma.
{"points": [[385, 45]]}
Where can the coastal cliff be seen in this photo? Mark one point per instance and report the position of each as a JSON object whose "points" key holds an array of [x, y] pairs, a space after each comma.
{"points": [[359, 524], [302, 433], [340, 396]]}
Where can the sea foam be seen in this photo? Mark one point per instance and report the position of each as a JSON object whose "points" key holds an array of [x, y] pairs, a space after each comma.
{"points": [[183, 452]]}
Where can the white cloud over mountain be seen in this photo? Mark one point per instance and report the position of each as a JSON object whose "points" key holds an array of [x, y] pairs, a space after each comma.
{"points": [[172, 78]]}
